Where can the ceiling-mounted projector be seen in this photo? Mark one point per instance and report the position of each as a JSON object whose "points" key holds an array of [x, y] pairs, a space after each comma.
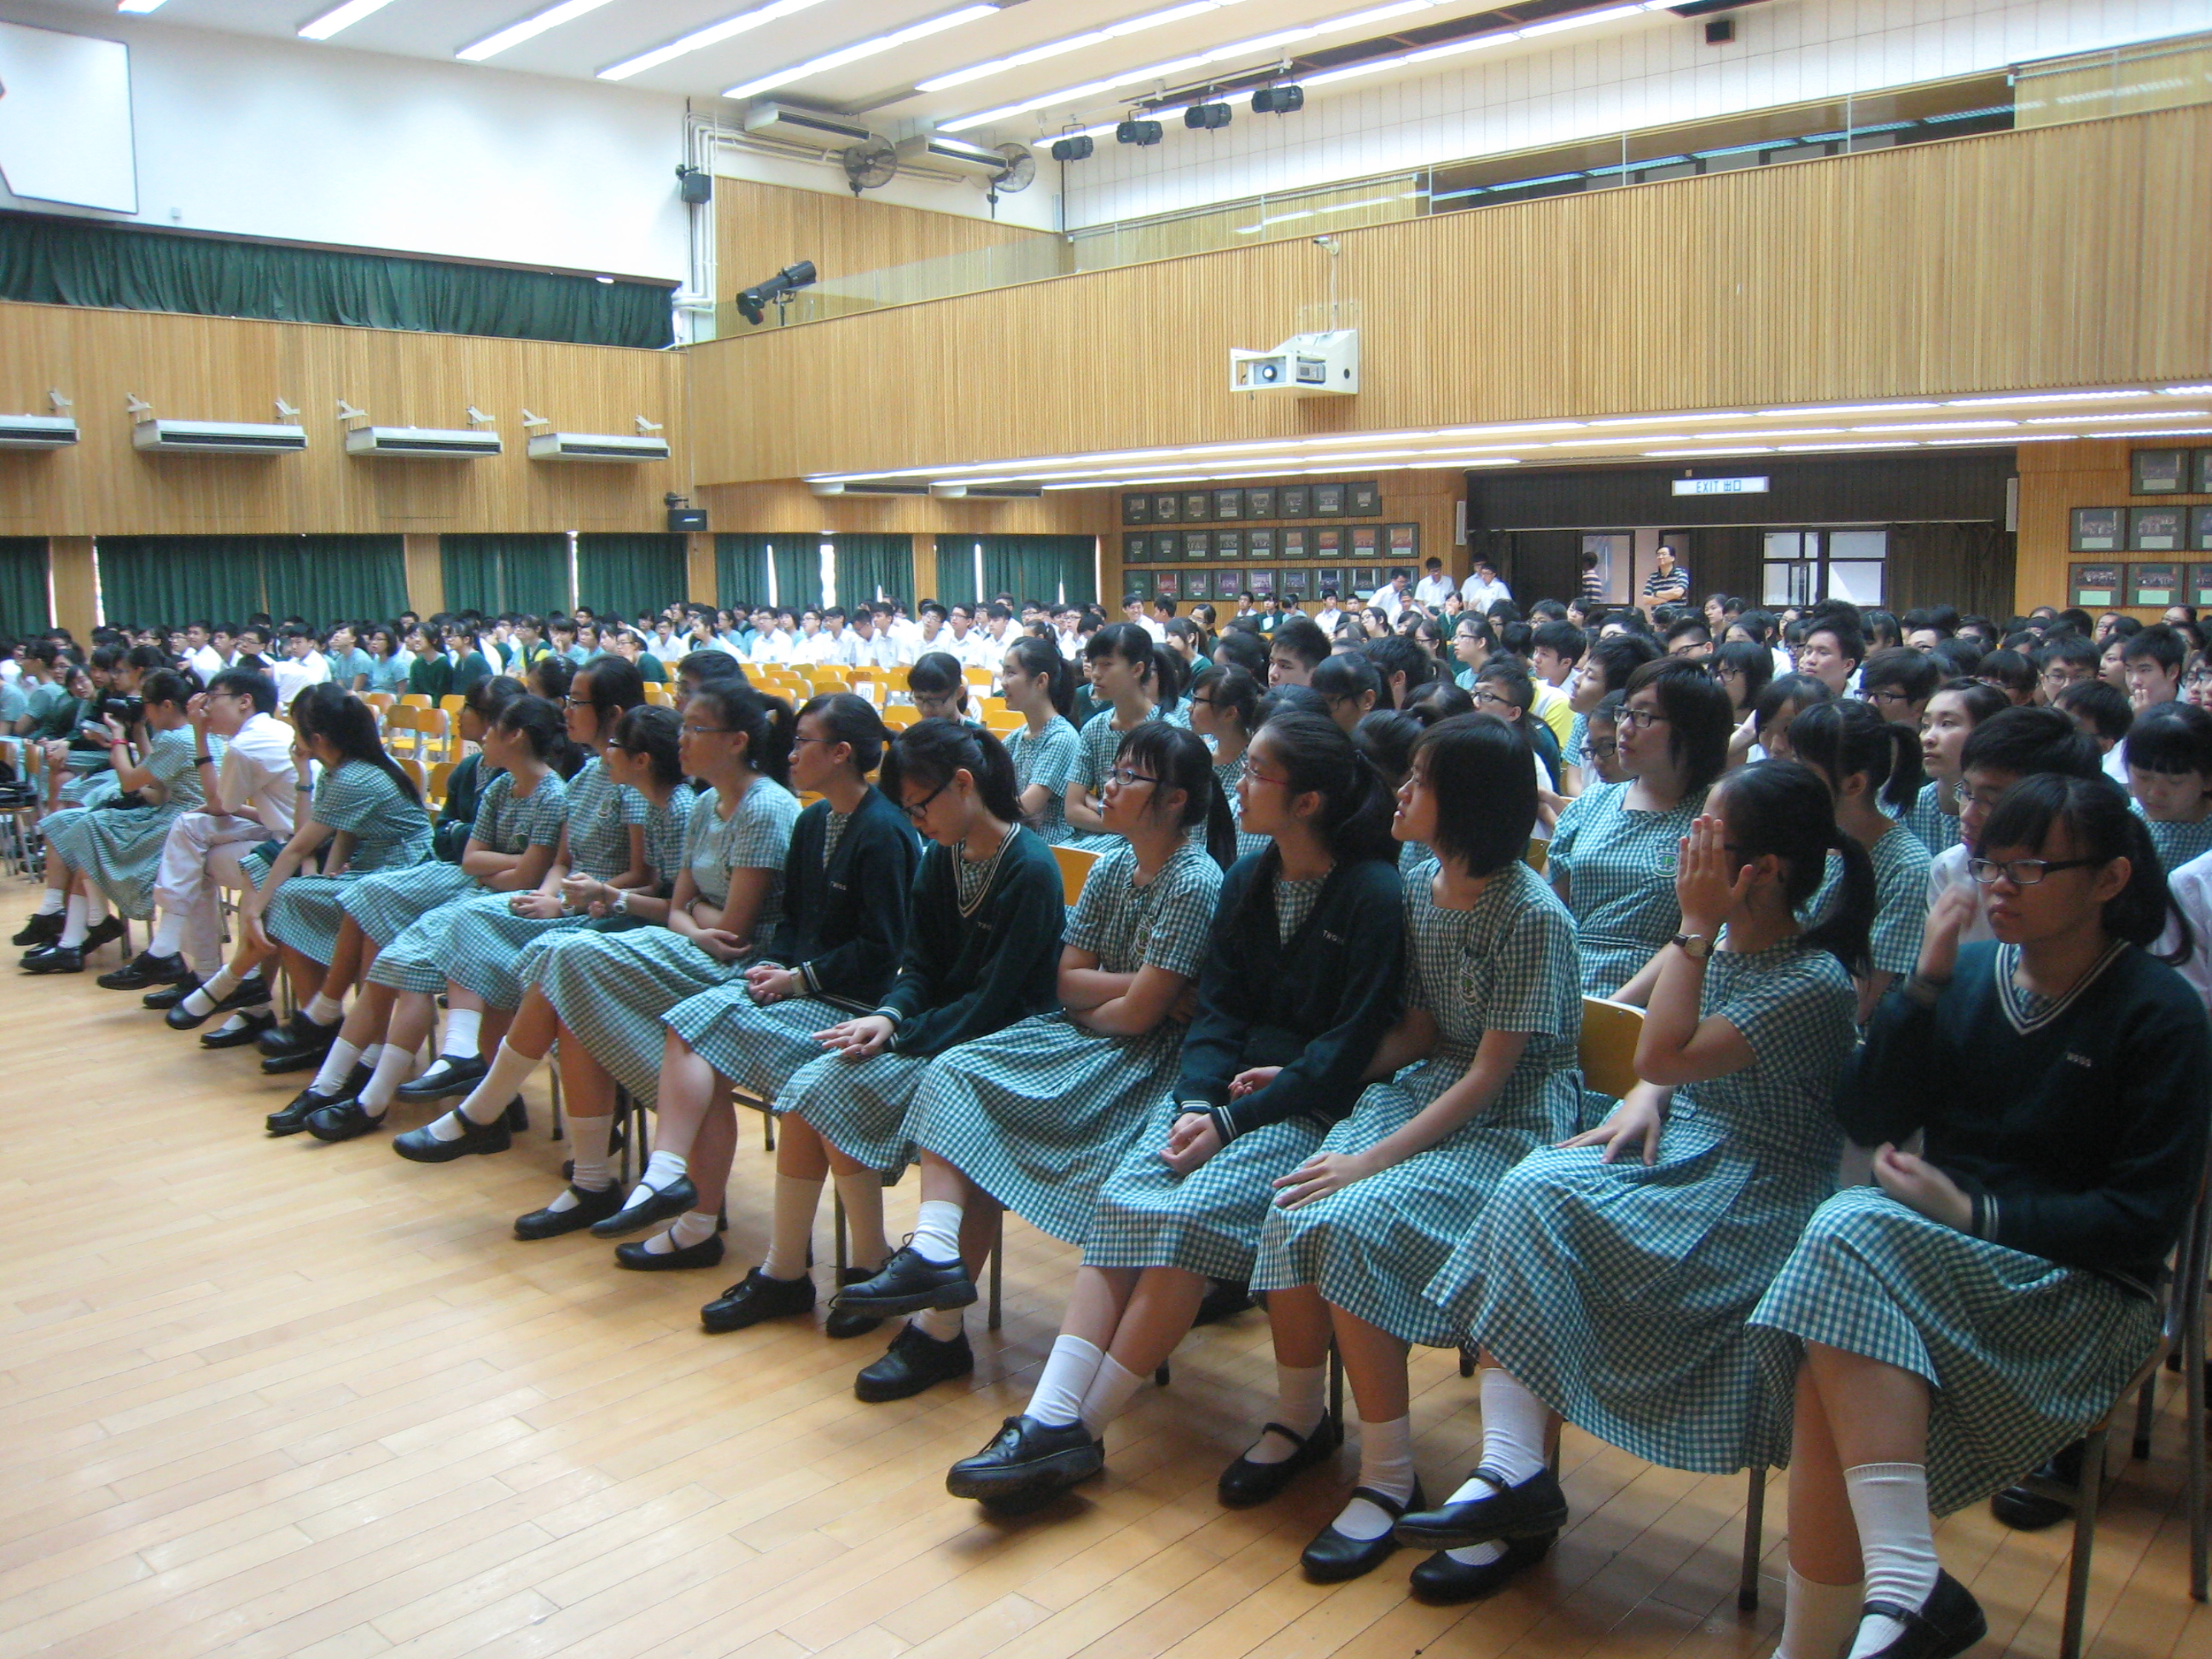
{"points": [[1303, 366], [218, 438]]}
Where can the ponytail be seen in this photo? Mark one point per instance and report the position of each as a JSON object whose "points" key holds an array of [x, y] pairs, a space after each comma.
{"points": [[930, 751], [1317, 757], [348, 726], [538, 724], [1846, 739], [1034, 657], [1784, 808], [1847, 931], [768, 723]]}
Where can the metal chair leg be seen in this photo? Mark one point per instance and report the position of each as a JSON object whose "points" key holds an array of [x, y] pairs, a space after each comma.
{"points": [[553, 1076], [1754, 1542], [844, 1245], [998, 1267], [1466, 1360], [2085, 1539], [767, 1128], [2146, 1411], [1336, 1387]]}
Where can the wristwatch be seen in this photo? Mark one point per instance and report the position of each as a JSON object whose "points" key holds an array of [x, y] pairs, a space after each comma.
{"points": [[1696, 946]]}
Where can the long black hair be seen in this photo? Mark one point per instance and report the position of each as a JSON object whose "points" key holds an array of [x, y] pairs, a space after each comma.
{"points": [[537, 722], [615, 685], [1483, 776], [852, 721], [1161, 669], [1317, 757], [1035, 656], [1179, 758], [1784, 808], [2101, 825], [348, 726], [657, 733], [767, 722], [1846, 739], [1232, 688], [930, 751]]}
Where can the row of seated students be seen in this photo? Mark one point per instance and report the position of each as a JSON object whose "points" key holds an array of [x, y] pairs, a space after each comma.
{"points": [[1323, 1041]]}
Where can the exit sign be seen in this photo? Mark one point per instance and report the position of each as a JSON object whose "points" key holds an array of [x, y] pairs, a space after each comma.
{"points": [[1720, 486]]}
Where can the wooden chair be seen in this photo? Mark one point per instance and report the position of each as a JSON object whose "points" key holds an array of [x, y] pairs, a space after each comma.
{"points": [[452, 703], [424, 734], [1075, 866], [380, 701], [1003, 726], [434, 796], [413, 700], [417, 771], [660, 696], [981, 676], [900, 715]]}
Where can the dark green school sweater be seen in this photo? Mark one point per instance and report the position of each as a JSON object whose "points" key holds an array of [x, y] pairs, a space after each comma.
{"points": [[431, 678], [963, 977], [1316, 1006], [842, 926], [2081, 1141], [465, 787]]}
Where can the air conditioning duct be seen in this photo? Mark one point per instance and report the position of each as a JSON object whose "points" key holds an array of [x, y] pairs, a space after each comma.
{"points": [[811, 127], [37, 431], [422, 443], [218, 438], [596, 446], [941, 149]]}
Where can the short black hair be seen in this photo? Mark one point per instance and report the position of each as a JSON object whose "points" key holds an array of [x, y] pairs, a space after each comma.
{"points": [[256, 687], [1512, 680], [1700, 718], [2022, 741], [1563, 638], [1483, 775], [1302, 637], [2159, 643], [2176, 737], [1901, 669], [2105, 706]]}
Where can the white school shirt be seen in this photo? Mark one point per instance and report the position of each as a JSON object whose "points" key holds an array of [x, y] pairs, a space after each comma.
{"points": [[207, 662], [1949, 871], [2191, 886], [256, 780], [811, 648], [1387, 600], [1326, 619], [1159, 630], [1432, 591], [771, 648], [2116, 766], [1070, 644], [293, 676], [1481, 595]]}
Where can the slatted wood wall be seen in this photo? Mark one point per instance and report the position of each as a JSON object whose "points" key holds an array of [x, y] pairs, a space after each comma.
{"points": [[2054, 480], [760, 228]]}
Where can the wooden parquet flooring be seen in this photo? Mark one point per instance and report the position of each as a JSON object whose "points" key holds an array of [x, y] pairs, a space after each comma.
{"points": [[268, 1399]]}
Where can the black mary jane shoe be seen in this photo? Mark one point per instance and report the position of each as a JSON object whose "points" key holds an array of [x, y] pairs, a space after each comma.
{"points": [[1443, 1581], [168, 996], [40, 930], [909, 1283], [1529, 1509], [290, 1120], [54, 959], [913, 1362], [1245, 1483], [421, 1146], [1331, 1558], [299, 1044], [1945, 1624], [662, 1204], [248, 1030], [1224, 1299], [2044, 1499], [756, 1297], [345, 1122], [144, 971], [450, 1075], [550, 1223], [1027, 1460], [105, 931], [707, 1253], [844, 1322]]}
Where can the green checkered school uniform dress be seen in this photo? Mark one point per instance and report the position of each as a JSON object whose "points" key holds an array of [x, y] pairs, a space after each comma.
{"points": [[1040, 1114], [1900, 884], [1938, 830], [2178, 843], [423, 957], [1100, 742], [384, 906], [1509, 964], [118, 849], [1049, 757], [611, 990], [667, 829], [1209, 1221], [1618, 1292], [1618, 866], [1576, 753], [484, 949], [389, 830]]}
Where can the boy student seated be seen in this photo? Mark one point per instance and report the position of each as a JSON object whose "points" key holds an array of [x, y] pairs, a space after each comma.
{"points": [[1297, 648], [2101, 713], [1434, 587], [2068, 660], [1832, 652], [2151, 663], [2010, 744], [1898, 682]]}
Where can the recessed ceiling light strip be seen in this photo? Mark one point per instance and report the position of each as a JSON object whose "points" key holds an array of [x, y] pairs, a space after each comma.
{"points": [[529, 28], [699, 40], [860, 48], [340, 17]]}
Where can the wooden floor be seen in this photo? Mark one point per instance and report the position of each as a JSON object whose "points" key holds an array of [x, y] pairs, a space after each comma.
{"points": [[276, 1398]]}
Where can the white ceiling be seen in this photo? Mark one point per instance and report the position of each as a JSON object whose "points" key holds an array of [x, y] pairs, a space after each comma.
{"points": [[882, 84]]}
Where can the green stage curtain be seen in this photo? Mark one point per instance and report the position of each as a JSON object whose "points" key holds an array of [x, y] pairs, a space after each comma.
{"points": [[154, 581], [75, 262], [328, 578], [956, 569], [501, 573], [741, 570], [1040, 567], [24, 610], [630, 573], [866, 563]]}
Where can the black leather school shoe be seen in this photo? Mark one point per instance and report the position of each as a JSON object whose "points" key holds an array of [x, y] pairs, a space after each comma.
{"points": [[1527, 1510], [1331, 1558], [1245, 1483]]}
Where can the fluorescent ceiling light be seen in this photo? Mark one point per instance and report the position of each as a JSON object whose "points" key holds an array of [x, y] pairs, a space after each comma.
{"points": [[2141, 415], [528, 29], [1840, 408], [2042, 397], [1937, 426], [138, 7], [2186, 392], [699, 40], [341, 17], [1582, 20], [860, 48], [1753, 449], [1675, 420], [1838, 449], [1150, 20]]}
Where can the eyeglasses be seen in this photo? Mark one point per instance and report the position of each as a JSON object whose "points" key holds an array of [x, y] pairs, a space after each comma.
{"points": [[1258, 776], [1642, 719], [584, 702], [1602, 750], [2024, 873], [691, 731], [1885, 699], [1491, 697], [802, 738], [920, 810], [1122, 778]]}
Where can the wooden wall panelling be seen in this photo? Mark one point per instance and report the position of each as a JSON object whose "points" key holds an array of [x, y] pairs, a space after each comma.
{"points": [[2064, 255], [70, 559], [700, 580], [2054, 480], [425, 574]]}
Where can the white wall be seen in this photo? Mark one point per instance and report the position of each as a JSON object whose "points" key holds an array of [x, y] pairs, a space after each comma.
{"points": [[318, 143], [1647, 73]]}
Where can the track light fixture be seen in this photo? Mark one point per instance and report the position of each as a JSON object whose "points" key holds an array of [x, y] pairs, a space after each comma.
{"points": [[1078, 149], [1278, 100], [1139, 132], [1206, 117]]}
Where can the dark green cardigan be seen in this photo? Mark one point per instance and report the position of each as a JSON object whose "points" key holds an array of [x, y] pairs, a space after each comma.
{"points": [[842, 928], [963, 977]]}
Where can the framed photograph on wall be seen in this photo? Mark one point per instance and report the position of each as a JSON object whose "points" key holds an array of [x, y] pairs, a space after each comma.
{"points": [[2201, 473], [1259, 543], [1296, 541], [1363, 500], [1197, 545], [1405, 542], [2154, 585], [1195, 585], [1296, 501], [1228, 504], [1227, 585], [1366, 541], [1259, 503], [2200, 584], [1136, 550], [1329, 500], [1164, 584], [1166, 509], [1260, 583], [2093, 586], [1136, 509], [2156, 530], [2099, 528], [1197, 506], [1365, 580], [2158, 472], [1294, 584], [1329, 582], [2200, 524], [1228, 543], [1328, 541]]}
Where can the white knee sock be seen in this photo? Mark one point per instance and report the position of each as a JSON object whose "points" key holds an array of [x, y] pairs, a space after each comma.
{"points": [[213, 989], [587, 1140], [462, 1025], [74, 923], [791, 1226], [510, 1070], [1302, 1402], [863, 1192], [168, 935], [1069, 1371], [1819, 1621], [941, 1324], [692, 1227], [662, 1171], [370, 1055], [1897, 1541], [337, 1065], [1386, 1464], [323, 1011], [937, 1232], [393, 1067], [1514, 1425], [95, 903], [51, 905], [1109, 1396]]}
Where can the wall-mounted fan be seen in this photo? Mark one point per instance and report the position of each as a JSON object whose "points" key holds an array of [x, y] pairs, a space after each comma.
{"points": [[873, 165]]}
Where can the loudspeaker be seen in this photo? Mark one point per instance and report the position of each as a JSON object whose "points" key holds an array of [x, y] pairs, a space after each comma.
{"points": [[1719, 31], [684, 519], [697, 188]]}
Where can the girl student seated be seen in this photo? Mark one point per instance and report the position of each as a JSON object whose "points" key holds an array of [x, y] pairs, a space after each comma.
{"points": [[938, 685], [833, 954], [1607, 1279], [601, 994], [1974, 1310], [1602, 742], [95, 855], [1225, 708], [406, 921], [1299, 984], [1038, 685], [1136, 681], [983, 939], [1954, 709], [2168, 751], [1605, 668], [1036, 1116], [1494, 1012], [1872, 767], [1765, 735], [362, 813]]}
